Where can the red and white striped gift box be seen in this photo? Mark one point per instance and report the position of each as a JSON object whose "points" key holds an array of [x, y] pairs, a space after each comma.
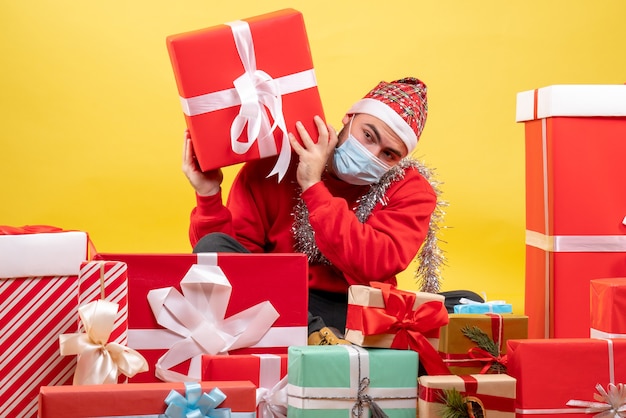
{"points": [[37, 308]]}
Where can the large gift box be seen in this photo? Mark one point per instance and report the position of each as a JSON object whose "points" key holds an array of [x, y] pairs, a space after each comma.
{"points": [[243, 85], [347, 380], [490, 395], [476, 343], [381, 315], [147, 400], [41, 287], [608, 304], [575, 178], [182, 306], [552, 372], [266, 371]]}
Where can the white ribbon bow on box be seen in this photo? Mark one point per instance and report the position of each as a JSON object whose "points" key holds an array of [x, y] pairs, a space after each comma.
{"points": [[197, 317], [100, 362]]}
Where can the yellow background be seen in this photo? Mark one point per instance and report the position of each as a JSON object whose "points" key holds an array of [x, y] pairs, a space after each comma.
{"points": [[92, 126]]}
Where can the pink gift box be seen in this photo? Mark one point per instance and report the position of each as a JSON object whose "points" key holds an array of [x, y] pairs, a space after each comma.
{"points": [[281, 279], [575, 205]]}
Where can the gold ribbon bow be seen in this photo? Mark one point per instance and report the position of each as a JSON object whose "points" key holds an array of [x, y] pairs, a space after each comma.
{"points": [[98, 361], [610, 403]]}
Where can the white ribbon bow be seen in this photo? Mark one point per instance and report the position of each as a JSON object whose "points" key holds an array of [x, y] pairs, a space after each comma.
{"points": [[197, 318], [272, 402], [100, 362], [610, 404], [257, 91]]}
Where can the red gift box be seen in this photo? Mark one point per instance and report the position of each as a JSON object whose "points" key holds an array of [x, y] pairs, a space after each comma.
{"points": [[249, 73], [608, 304], [134, 399], [551, 372], [264, 370], [255, 278], [35, 309], [575, 204]]}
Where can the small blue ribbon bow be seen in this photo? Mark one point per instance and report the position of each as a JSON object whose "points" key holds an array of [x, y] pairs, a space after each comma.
{"points": [[195, 403]]}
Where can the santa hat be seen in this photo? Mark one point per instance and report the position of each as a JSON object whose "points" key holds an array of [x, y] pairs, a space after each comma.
{"points": [[401, 104]]}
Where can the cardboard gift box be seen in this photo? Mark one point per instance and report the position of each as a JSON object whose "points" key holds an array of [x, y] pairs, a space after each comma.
{"points": [[243, 85], [224, 294], [136, 399], [575, 177], [338, 380], [464, 356], [266, 371], [552, 372], [379, 316], [491, 394], [608, 304], [37, 308]]}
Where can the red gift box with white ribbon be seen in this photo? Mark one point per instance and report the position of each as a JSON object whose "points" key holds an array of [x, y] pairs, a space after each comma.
{"points": [[575, 205], [608, 304], [266, 371], [243, 85], [41, 305], [562, 376], [182, 306]]}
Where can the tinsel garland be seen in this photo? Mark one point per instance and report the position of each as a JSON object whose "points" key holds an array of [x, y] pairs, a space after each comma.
{"points": [[430, 257]]}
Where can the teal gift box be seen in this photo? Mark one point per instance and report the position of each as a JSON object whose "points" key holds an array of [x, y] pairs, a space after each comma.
{"points": [[350, 381]]}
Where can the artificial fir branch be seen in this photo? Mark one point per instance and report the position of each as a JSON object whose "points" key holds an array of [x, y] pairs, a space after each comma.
{"points": [[453, 404], [483, 341]]}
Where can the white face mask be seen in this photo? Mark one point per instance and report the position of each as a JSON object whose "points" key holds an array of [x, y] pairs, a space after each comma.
{"points": [[354, 164]]}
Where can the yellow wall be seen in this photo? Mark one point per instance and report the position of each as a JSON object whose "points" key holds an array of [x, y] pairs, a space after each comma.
{"points": [[91, 125]]}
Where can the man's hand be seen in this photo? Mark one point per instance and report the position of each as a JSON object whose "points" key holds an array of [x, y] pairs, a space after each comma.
{"points": [[313, 156], [205, 183]]}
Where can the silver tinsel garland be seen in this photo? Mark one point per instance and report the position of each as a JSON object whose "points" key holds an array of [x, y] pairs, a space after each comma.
{"points": [[430, 257]]}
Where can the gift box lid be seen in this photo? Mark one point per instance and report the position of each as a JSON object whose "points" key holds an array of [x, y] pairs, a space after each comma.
{"points": [[586, 100]]}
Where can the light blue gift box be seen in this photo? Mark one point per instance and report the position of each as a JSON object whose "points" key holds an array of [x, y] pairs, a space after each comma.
{"points": [[333, 381], [483, 308]]}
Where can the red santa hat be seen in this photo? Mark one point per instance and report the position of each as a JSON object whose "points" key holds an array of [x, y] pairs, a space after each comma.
{"points": [[401, 104]]}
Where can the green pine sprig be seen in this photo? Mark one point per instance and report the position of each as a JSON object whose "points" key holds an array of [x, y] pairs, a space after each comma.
{"points": [[483, 341], [453, 404]]}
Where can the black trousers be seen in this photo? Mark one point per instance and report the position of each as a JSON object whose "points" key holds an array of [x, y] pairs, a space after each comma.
{"points": [[325, 308]]}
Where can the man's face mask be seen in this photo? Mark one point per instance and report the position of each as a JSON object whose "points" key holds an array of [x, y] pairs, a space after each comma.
{"points": [[354, 164]]}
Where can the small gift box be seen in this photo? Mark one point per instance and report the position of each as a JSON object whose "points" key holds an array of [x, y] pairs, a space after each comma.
{"points": [[347, 380], [261, 83], [476, 343], [381, 315], [608, 304], [187, 305], [468, 306], [149, 400], [490, 396], [266, 371], [552, 372]]}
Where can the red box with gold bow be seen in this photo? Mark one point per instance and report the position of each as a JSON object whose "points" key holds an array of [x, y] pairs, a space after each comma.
{"points": [[266, 371], [483, 395], [243, 85], [552, 372], [144, 399], [575, 205], [381, 315], [462, 353], [42, 305], [185, 305], [608, 304]]}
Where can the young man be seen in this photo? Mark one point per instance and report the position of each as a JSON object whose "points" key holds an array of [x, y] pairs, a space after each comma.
{"points": [[353, 202]]}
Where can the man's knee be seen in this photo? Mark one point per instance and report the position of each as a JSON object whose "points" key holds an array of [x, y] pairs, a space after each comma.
{"points": [[218, 242]]}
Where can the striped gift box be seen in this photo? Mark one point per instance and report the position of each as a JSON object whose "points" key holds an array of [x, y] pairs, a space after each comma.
{"points": [[41, 305]]}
